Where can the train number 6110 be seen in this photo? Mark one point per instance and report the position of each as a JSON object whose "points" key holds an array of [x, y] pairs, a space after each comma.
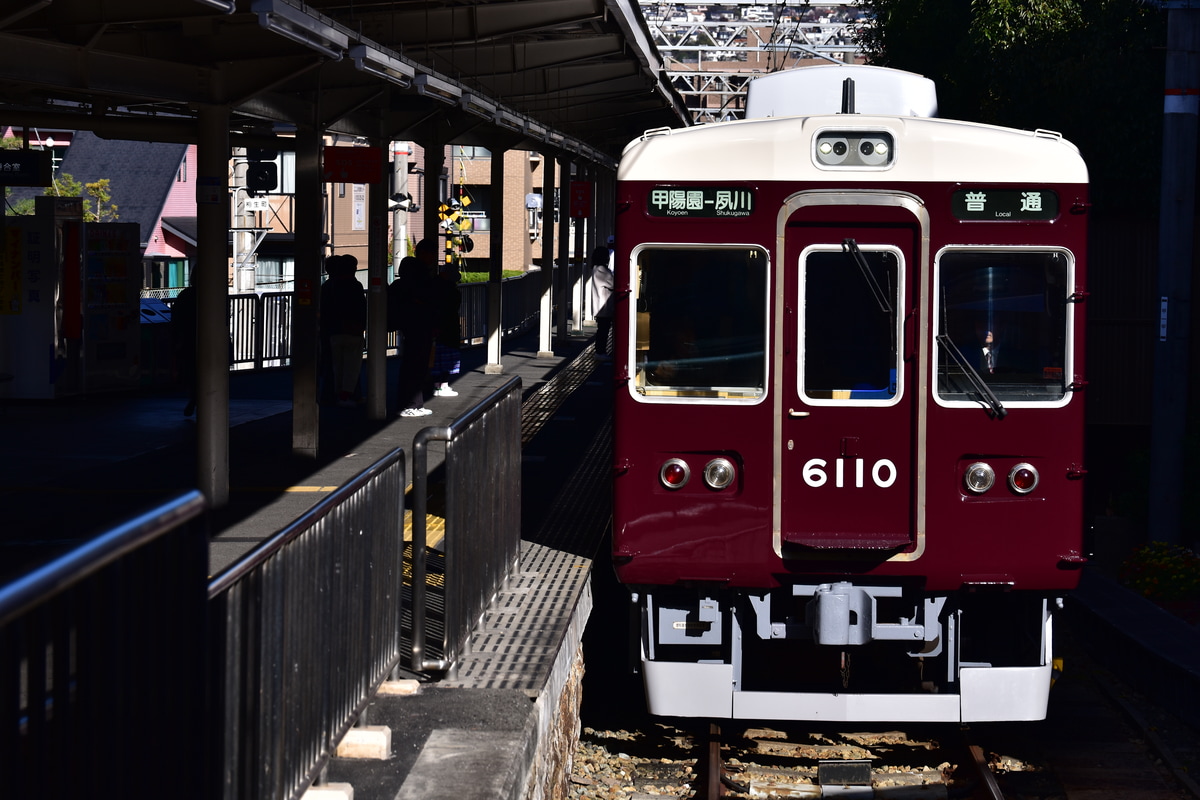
{"points": [[883, 472]]}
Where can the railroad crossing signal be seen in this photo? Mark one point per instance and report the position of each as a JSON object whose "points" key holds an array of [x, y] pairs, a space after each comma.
{"points": [[450, 212]]}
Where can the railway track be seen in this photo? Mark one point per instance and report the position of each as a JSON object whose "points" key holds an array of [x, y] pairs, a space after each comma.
{"points": [[1100, 741], [781, 762]]}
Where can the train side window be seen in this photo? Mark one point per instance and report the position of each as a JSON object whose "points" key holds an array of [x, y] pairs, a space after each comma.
{"points": [[1006, 313], [849, 340], [700, 329]]}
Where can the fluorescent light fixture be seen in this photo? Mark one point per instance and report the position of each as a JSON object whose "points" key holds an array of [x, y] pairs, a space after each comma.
{"points": [[509, 120], [437, 88], [378, 63], [224, 6], [295, 24], [534, 129], [555, 139], [478, 105]]}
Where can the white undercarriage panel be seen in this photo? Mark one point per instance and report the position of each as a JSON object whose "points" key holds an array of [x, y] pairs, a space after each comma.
{"points": [[988, 694], [676, 689]]}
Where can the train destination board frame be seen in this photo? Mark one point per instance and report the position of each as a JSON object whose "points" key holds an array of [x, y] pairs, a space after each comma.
{"points": [[700, 201], [1004, 205]]}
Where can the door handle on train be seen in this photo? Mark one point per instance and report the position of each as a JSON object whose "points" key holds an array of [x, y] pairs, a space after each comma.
{"points": [[794, 413]]}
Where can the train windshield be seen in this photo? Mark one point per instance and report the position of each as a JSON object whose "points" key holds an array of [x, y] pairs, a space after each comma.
{"points": [[1006, 314], [850, 330], [701, 322]]}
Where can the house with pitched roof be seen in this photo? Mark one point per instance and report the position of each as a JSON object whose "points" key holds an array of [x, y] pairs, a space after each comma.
{"points": [[150, 183]]}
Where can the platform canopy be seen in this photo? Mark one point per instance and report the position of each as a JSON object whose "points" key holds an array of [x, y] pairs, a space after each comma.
{"points": [[575, 75]]}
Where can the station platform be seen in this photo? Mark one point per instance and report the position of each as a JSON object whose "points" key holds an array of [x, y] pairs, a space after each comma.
{"points": [[77, 466], [73, 467]]}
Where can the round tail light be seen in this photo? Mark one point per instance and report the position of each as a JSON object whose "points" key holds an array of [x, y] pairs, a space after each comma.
{"points": [[980, 477], [719, 473], [1023, 478], [674, 473]]}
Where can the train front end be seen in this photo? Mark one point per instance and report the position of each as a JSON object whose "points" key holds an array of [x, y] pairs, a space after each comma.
{"points": [[848, 426]]}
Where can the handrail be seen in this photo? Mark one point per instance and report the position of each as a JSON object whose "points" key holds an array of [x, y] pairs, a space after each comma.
{"points": [[305, 628], [22, 594], [268, 547], [446, 433], [91, 643]]}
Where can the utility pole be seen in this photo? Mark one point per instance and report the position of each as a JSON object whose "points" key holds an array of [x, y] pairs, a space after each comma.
{"points": [[1181, 105], [400, 154]]}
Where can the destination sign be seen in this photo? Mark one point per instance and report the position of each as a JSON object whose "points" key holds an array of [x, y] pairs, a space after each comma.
{"points": [[1005, 205], [705, 201]]}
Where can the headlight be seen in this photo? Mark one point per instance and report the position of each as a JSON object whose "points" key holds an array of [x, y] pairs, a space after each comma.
{"points": [[719, 473], [980, 477]]}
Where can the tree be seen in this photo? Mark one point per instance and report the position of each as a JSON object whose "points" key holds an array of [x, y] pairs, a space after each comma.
{"points": [[1092, 70], [97, 192]]}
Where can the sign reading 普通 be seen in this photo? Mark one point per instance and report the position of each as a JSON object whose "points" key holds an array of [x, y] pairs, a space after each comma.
{"points": [[705, 201], [1005, 204]]}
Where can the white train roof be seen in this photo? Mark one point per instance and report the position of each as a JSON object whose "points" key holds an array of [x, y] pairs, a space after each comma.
{"points": [[820, 90], [782, 149]]}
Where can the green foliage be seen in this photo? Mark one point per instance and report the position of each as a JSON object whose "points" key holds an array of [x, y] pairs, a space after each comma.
{"points": [[482, 277], [97, 206], [1093, 71], [1163, 572]]}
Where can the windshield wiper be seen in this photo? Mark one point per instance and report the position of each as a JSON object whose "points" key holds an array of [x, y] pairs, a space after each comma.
{"points": [[850, 246], [976, 380]]}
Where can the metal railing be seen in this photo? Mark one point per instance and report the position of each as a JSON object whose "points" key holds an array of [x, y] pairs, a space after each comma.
{"points": [[102, 664], [483, 518], [260, 325], [259, 675], [304, 630]]}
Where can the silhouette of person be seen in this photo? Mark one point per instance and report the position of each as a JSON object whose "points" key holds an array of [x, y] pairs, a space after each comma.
{"points": [[447, 359], [413, 291], [343, 318], [602, 288]]}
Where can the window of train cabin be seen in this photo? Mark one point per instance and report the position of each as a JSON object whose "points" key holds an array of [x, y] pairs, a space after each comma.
{"points": [[850, 332], [1007, 315], [701, 323]]}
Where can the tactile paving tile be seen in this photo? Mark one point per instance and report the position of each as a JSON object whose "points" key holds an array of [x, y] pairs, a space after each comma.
{"points": [[539, 407], [520, 634], [581, 514]]}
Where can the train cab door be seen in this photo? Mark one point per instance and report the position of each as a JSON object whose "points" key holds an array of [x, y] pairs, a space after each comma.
{"points": [[848, 446]]}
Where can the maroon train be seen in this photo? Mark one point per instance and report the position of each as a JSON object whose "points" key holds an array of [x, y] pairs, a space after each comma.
{"points": [[848, 425]]}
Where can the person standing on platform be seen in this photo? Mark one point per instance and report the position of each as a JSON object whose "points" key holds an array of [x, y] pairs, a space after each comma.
{"points": [[343, 313], [447, 358], [602, 289], [412, 294]]}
